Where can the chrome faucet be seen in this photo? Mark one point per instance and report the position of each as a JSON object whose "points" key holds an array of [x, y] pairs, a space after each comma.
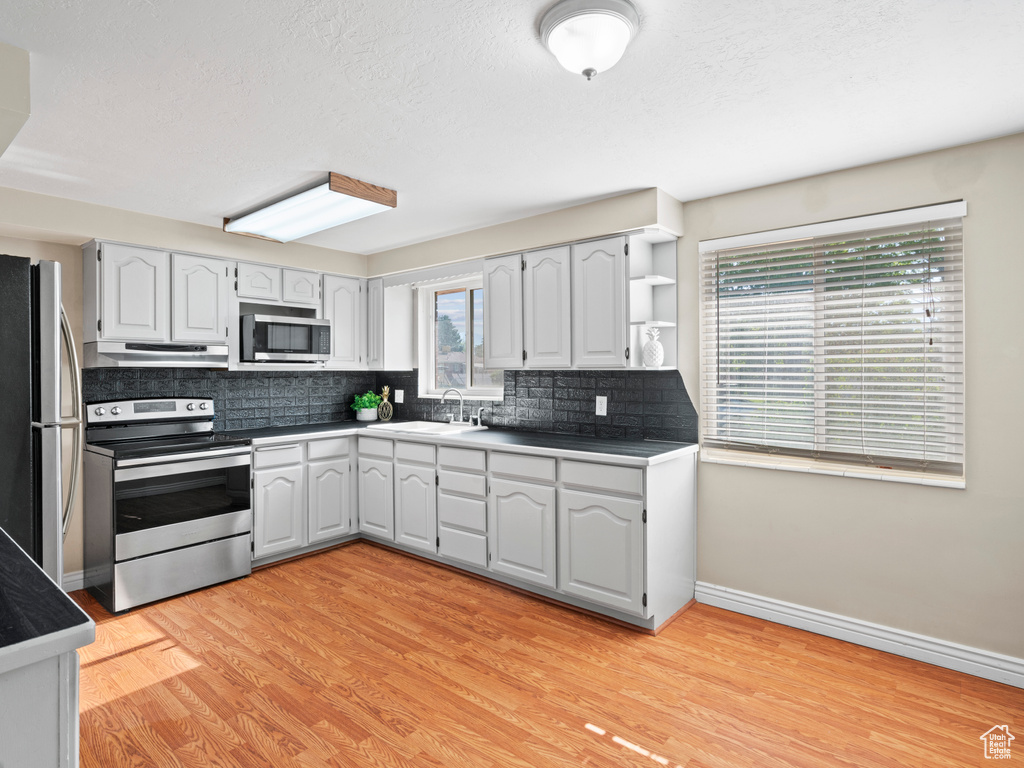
{"points": [[445, 396]]}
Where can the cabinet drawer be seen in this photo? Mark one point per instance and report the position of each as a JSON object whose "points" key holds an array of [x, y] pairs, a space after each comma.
{"points": [[372, 446], [469, 514], [460, 482], [462, 458], [329, 448], [607, 477], [277, 455], [459, 545], [529, 467], [415, 452]]}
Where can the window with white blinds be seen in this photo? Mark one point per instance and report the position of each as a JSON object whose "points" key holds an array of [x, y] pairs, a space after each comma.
{"points": [[840, 341]]}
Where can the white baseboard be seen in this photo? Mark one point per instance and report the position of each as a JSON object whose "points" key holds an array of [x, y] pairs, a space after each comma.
{"points": [[73, 580], [962, 658]]}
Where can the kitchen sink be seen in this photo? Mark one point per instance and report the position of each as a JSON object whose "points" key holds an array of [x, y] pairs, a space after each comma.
{"points": [[425, 427]]}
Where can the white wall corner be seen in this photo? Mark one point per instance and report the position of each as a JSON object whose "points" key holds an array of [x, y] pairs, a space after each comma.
{"points": [[941, 653], [15, 100], [670, 213]]}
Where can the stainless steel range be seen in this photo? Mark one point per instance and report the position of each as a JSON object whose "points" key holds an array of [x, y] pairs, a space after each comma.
{"points": [[167, 501]]}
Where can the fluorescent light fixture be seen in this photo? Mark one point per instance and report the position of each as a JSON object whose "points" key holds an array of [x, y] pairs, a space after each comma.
{"points": [[338, 201], [589, 36]]}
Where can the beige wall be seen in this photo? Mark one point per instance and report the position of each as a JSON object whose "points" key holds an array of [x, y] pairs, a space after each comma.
{"points": [[70, 258], [57, 220], [939, 562], [635, 210]]}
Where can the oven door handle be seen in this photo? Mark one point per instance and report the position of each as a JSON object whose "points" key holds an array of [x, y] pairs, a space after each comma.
{"points": [[170, 468], [182, 457]]}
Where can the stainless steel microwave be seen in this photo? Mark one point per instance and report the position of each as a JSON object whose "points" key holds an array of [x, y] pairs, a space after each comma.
{"points": [[276, 338]]}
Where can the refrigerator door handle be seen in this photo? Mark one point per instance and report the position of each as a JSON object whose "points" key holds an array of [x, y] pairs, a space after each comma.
{"points": [[74, 422], [50, 501]]}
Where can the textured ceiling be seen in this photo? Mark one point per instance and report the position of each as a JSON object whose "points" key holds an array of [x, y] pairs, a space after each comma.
{"points": [[196, 110]]}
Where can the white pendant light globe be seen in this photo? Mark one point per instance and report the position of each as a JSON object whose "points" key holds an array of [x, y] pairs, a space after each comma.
{"points": [[589, 36]]}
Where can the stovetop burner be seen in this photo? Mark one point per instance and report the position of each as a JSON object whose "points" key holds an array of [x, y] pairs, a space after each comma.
{"points": [[166, 446], [155, 427]]}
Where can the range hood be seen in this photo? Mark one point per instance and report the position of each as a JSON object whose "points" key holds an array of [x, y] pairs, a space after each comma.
{"points": [[120, 354]]}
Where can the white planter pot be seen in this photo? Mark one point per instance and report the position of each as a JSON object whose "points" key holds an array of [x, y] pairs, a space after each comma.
{"points": [[366, 414]]}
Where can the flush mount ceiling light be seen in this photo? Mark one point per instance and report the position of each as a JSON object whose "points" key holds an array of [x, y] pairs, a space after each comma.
{"points": [[338, 201], [589, 36]]}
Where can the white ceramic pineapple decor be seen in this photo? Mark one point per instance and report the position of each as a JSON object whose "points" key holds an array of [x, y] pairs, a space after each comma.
{"points": [[654, 353]]}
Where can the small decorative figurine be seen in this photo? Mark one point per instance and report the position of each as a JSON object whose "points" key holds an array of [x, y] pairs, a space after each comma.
{"points": [[385, 409], [654, 353]]}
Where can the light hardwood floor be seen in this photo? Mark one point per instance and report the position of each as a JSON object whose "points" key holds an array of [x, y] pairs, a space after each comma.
{"points": [[364, 657]]}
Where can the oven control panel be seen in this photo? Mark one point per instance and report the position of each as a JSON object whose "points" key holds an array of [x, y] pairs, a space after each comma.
{"points": [[157, 409]]}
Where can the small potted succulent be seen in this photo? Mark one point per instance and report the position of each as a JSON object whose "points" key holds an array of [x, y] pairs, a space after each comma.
{"points": [[365, 406]]}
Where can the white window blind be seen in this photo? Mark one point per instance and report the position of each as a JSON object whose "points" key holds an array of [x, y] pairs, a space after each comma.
{"points": [[838, 342]]}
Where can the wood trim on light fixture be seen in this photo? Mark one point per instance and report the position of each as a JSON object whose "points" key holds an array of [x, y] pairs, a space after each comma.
{"points": [[346, 185], [224, 229]]}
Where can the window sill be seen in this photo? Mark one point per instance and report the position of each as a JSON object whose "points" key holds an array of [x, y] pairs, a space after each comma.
{"points": [[467, 396], [788, 464]]}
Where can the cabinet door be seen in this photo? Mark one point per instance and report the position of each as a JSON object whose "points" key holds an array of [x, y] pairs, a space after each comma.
{"points": [[599, 307], [344, 308], [546, 309], [199, 292], [259, 281], [135, 290], [376, 498], [522, 531], [300, 287], [416, 507], [278, 510], [503, 312], [375, 324], [329, 488], [601, 549]]}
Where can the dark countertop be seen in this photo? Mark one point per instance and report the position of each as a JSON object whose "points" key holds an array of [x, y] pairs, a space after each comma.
{"points": [[643, 450], [34, 610], [637, 449], [296, 431]]}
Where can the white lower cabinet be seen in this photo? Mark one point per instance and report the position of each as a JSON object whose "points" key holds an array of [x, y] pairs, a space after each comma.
{"points": [[615, 538], [462, 505], [329, 487], [302, 494], [522, 531], [415, 497], [376, 497], [601, 549], [279, 507]]}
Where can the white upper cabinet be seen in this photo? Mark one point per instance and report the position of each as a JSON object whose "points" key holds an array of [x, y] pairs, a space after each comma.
{"points": [[344, 306], [259, 281], [375, 324], [300, 287], [200, 297], [599, 304], [547, 297], [134, 291], [503, 312]]}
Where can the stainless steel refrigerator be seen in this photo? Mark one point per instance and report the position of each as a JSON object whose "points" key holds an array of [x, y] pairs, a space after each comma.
{"points": [[32, 328]]}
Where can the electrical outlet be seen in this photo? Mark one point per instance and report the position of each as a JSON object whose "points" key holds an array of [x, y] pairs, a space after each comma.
{"points": [[399, 395], [602, 406]]}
